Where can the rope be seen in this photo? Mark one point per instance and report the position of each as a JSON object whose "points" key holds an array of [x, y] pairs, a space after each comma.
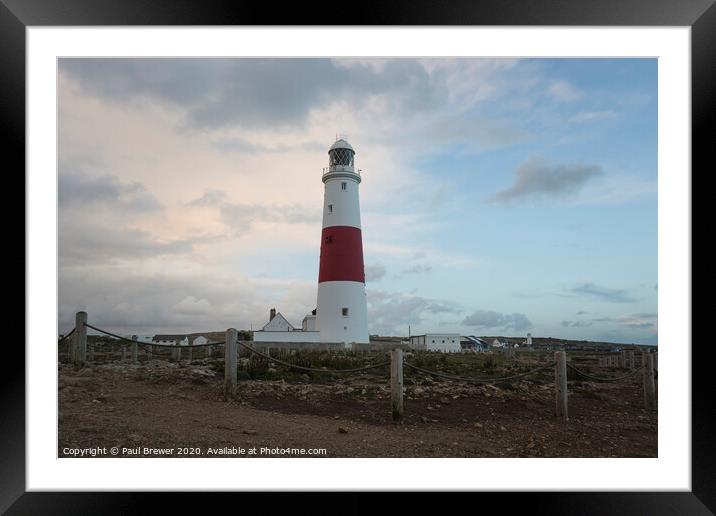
{"points": [[478, 380], [67, 336], [152, 343], [598, 379], [312, 369]]}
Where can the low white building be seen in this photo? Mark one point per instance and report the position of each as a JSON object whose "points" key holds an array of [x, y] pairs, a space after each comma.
{"points": [[444, 342], [170, 340], [142, 338], [199, 340], [278, 329]]}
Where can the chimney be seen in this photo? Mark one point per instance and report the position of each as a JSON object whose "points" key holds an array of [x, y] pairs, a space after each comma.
{"points": [[273, 314]]}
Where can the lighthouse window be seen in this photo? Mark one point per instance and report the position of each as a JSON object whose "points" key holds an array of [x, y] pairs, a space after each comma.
{"points": [[330, 208], [343, 186], [345, 312]]}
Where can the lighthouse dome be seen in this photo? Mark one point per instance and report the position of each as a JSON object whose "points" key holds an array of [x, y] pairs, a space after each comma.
{"points": [[341, 154], [341, 144]]}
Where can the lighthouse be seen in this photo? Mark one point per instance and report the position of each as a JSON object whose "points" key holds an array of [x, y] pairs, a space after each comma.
{"points": [[341, 313]]}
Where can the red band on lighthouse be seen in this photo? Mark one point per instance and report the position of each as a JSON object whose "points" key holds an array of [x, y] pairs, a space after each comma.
{"points": [[341, 255]]}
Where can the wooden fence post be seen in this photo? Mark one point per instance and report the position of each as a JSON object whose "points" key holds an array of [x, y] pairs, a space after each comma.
{"points": [[230, 364], [208, 351], [631, 361], [79, 354], [656, 362], [649, 386], [622, 359], [135, 352], [560, 380], [149, 350], [396, 383], [190, 354], [124, 353]]}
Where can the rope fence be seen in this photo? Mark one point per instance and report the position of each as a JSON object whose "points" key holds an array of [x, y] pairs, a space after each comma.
{"points": [[81, 355], [602, 379], [312, 369], [66, 336], [477, 380]]}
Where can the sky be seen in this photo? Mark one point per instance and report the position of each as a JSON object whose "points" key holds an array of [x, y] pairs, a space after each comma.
{"points": [[498, 196]]}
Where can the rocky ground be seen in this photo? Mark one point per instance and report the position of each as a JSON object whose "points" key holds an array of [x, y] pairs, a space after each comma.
{"points": [[163, 405]]}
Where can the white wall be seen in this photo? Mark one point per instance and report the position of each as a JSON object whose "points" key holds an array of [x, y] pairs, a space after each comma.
{"points": [[346, 206], [287, 336], [309, 323], [445, 342], [278, 323], [334, 327]]}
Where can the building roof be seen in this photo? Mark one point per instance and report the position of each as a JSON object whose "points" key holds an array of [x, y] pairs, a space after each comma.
{"points": [[277, 320], [341, 144]]}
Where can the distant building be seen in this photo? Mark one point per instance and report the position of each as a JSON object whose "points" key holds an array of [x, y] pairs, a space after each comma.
{"points": [[199, 340], [497, 344], [444, 342], [474, 344], [142, 338], [171, 340]]}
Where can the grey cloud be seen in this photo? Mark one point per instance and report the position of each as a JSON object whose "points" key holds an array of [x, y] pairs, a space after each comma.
{"points": [[87, 243], [536, 178], [240, 217], [254, 92], [611, 295], [492, 319], [242, 146], [419, 268], [210, 198], [374, 272], [80, 188], [121, 299], [576, 324], [392, 312]]}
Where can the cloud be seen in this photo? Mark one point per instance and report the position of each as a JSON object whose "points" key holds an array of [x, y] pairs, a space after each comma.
{"points": [[492, 319], [592, 116], [564, 91], [374, 272], [82, 189], [576, 324], [254, 93], [603, 293], [240, 217], [191, 306], [418, 268], [536, 178], [210, 198], [390, 313]]}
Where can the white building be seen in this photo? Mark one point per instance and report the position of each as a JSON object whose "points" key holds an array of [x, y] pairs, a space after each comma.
{"points": [[497, 344], [278, 329], [142, 338], [170, 340], [444, 342], [199, 340]]}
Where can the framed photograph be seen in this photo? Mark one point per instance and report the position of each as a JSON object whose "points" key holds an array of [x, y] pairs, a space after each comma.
{"points": [[431, 250]]}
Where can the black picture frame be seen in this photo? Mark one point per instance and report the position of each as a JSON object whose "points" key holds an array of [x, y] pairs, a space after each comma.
{"points": [[17, 15]]}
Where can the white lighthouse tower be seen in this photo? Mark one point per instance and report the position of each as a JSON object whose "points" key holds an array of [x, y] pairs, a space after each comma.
{"points": [[342, 314]]}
